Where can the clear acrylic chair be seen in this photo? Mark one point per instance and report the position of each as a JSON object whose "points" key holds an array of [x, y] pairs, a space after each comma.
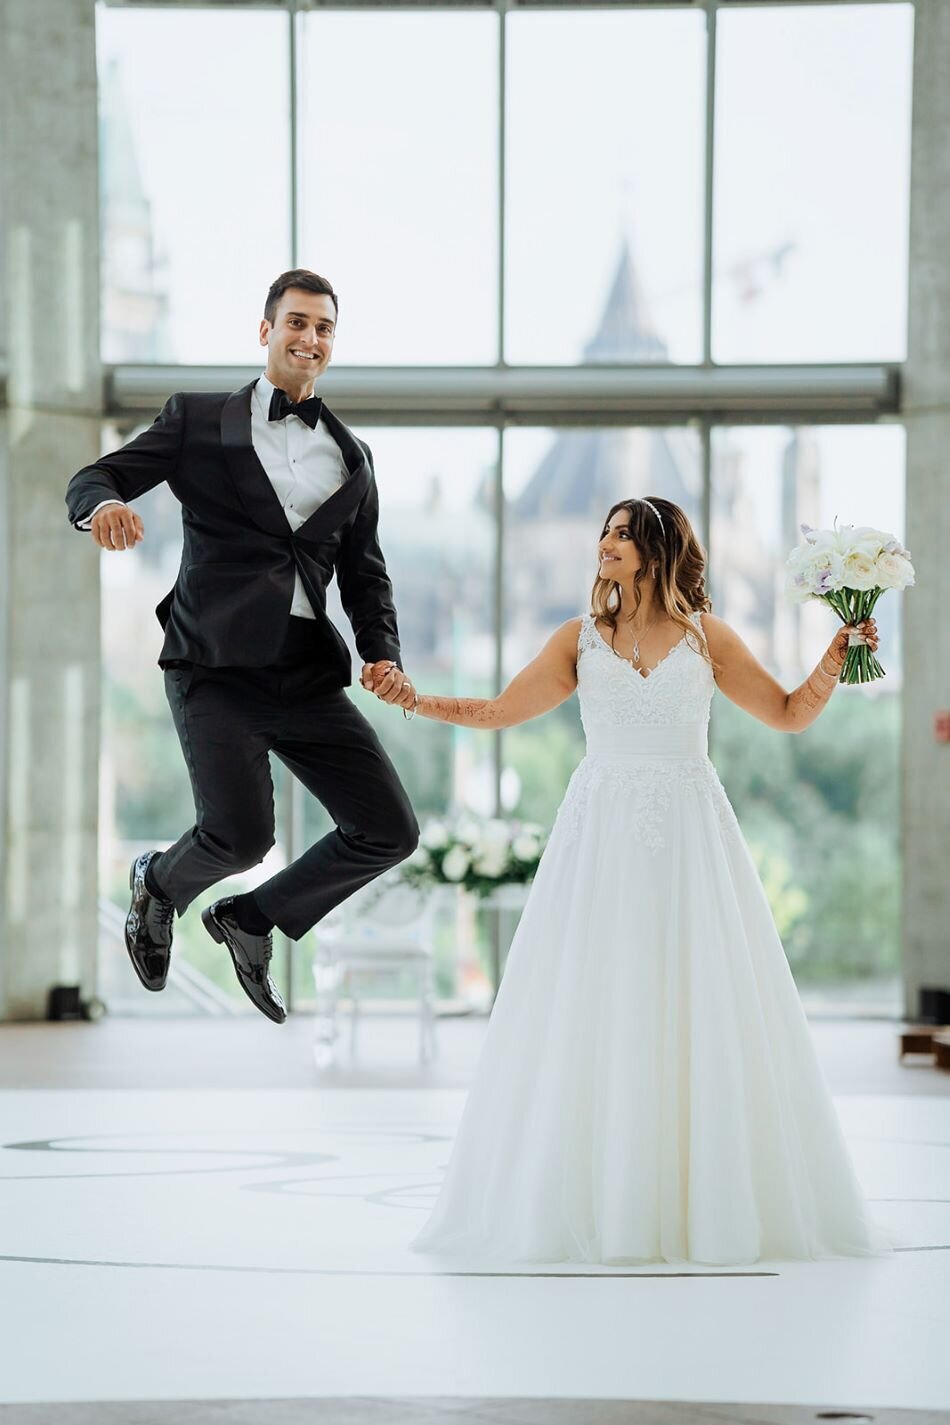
{"points": [[385, 930]]}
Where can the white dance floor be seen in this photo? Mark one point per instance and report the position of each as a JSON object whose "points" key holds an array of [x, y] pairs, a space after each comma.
{"points": [[202, 1244]]}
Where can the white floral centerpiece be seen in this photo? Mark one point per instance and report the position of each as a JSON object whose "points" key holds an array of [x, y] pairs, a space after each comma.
{"points": [[477, 855], [849, 569]]}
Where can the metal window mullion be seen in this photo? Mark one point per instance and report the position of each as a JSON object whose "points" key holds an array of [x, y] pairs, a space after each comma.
{"points": [[708, 179], [502, 156], [705, 508], [498, 611], [499, 454], [294, 116], [498, 748]]}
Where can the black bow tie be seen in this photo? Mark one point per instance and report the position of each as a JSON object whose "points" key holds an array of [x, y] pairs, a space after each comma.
{"points": [[281, 406]]}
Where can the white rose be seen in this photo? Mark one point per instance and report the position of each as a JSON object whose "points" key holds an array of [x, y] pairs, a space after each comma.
{"points": [[796, 587], [859, 570], [456, 864], [435, 836], [420, 857], [496, 832], [493, 862], [825, 572], [894, 572], [526, 847], [865, 536], [826, 541], [467, 830]]}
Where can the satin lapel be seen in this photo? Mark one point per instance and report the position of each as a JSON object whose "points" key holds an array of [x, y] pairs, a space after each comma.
{"points": [[256, 492], [343, 502]]}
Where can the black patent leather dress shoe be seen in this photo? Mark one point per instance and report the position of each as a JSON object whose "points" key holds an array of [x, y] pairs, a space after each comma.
{"points": [[251, 956], [148, 928]]}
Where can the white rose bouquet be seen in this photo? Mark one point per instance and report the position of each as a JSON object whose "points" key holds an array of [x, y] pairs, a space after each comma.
{"points": [[849, 569], [479, 855]]}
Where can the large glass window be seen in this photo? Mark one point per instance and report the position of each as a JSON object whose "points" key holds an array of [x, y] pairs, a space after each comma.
{"points": [[195, 180], [605, 147], [820, 810], [812, 167], [397, 197], [399, 177]]}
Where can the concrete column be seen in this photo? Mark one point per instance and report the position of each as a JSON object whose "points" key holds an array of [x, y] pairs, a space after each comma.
{"points": [[49, 627], [926, 608]]}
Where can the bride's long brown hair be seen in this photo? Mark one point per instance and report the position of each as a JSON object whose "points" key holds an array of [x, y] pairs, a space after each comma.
{"points": [[671, 545]]}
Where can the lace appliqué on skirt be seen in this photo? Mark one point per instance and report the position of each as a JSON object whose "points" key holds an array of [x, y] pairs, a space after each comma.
{"points": [[648, 788]]}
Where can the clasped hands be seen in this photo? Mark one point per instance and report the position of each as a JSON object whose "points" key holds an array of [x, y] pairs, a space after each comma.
{"points": [[389, 683]]}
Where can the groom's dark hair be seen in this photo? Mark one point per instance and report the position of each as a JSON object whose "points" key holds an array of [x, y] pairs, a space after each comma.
{"points": [[297, 277]]}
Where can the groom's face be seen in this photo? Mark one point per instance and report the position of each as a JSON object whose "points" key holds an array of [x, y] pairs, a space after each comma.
{"points": [[299, 341]]}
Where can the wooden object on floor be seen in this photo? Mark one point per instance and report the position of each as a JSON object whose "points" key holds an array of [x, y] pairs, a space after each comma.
{"points": [[941, 1045], [919, 1038]]}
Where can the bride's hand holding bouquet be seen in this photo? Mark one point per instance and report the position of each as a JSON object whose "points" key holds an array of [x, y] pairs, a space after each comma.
{"points": [[849, 569]]}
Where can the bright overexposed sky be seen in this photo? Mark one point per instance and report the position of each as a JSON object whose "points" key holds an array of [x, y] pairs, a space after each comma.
{"points": [[605, 111]]}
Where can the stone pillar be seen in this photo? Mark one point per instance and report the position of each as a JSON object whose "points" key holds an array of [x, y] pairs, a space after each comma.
{"points": [[926, 608], [49, 638]]}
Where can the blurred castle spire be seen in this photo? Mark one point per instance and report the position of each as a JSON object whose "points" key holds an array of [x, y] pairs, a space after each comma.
{"points": [[626, 332]]}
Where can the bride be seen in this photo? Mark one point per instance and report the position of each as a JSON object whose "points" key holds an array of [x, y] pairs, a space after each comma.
{"points": [[648, 1089]]}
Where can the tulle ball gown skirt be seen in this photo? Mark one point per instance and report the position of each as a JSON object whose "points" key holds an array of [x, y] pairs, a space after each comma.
{"points": [[648, 1089]]}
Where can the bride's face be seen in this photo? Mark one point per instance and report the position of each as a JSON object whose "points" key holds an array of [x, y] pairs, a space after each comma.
{"points": [[619, 556]]}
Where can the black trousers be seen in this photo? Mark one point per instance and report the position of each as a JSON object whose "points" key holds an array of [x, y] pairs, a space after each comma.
{"points": [[228, 720]]}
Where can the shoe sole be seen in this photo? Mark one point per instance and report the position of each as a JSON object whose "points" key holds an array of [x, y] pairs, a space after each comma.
{"points": [[216, 933], [144, 983]]}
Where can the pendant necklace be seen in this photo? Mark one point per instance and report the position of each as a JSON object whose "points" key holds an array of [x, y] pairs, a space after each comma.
{"points": [[636, 641]]}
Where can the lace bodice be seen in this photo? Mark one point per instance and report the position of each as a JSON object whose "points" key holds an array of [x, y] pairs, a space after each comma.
{"points": [[646, 738], [613, 694]]}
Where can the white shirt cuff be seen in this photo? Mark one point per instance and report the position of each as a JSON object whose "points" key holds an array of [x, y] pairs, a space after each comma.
{"points": [[87, 522]]}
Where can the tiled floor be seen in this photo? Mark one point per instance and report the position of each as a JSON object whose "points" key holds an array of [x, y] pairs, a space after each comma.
{"points": [[235, 1246]]}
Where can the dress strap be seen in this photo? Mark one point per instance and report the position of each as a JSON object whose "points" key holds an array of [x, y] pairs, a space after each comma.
{"points": [[696, 619], [587, 634]]}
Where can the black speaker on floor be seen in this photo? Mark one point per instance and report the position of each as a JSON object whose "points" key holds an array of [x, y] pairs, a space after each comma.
{"points": [[64, 1002], [934, 1005]]}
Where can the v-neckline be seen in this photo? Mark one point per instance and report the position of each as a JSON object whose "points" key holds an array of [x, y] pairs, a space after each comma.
{"points": [[643, 677]]}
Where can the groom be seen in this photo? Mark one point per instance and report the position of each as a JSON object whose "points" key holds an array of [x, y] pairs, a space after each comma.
{"points": [[277, 496]]}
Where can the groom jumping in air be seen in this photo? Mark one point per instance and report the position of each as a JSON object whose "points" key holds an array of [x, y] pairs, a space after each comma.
{"points": [[277, 495]]}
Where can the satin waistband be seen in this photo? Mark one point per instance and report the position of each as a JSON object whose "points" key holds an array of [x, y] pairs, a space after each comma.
{"points": [[646, 741]]}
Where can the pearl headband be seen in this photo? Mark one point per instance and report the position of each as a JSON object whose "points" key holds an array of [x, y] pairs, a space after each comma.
{"points": [[656, 512]]}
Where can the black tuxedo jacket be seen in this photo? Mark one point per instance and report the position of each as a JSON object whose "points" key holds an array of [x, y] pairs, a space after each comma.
{"points": [[232, 597]]}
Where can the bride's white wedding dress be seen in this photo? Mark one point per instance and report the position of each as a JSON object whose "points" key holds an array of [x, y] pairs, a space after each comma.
{"points": [[648, 1089]]}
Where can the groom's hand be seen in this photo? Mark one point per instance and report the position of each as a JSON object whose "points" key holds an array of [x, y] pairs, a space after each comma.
{"points": [[388, 682], [374, 674], [117, 527]]}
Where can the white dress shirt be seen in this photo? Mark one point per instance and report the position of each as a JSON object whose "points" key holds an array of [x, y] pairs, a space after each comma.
{"points": [[304, 466]]}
